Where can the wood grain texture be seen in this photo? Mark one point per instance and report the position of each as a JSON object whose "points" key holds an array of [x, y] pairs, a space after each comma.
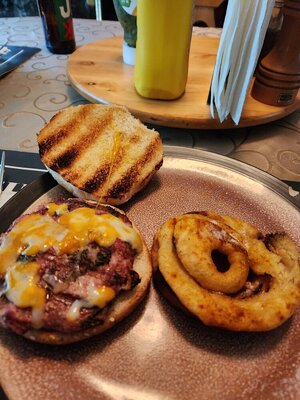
{"points": [[97, 72]]}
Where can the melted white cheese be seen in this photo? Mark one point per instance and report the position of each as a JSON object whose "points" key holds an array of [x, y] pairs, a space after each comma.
{"points": [[74, 310]]}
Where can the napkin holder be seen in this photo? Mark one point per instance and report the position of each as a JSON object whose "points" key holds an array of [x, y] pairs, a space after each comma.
{"points": [[242, 38]]}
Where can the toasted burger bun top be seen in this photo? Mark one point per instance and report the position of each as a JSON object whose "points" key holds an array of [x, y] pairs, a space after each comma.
{"points": [[71, 270], [100, 152], [225, 272]]}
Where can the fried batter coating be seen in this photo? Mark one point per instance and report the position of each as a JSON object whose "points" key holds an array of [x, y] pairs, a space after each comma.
{"points": [[260, 288]]}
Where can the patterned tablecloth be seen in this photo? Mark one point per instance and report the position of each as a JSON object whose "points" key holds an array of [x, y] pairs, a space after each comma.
{"points": [[37, 89]]}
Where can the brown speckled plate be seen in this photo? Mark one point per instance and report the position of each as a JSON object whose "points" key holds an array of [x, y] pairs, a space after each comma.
{"points": [[159, 353]]}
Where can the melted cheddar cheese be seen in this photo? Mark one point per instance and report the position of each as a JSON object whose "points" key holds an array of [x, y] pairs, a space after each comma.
{"points": [[57, 209], [31, 234], [22, 288], [69, 232], [116, 146], [85, 226]]}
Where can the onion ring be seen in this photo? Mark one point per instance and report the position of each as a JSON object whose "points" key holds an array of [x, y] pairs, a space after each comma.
{"points": [[196, 239], [260, 299]]}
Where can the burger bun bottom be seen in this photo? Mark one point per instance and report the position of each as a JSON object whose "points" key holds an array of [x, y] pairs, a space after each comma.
{"points": [[120, 307]]}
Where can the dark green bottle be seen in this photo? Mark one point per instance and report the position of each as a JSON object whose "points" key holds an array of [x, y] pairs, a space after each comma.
{"points": [[58, 25]]}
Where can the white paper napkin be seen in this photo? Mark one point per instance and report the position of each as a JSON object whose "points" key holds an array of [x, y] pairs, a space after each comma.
{"points": [[243, 34]]}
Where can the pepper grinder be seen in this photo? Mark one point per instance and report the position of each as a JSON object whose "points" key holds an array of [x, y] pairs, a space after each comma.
{"points": [[278, 75]]}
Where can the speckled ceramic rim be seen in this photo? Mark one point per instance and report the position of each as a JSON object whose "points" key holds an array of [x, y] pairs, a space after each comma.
{"points": [[256, 174]]}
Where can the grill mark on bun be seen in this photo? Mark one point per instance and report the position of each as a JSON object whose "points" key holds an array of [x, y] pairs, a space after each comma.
{"points": [[127, 180], [100, 150], [96, 129], [93, 184], [47, 144], [65, 160], [56, 135], [68, 158]]}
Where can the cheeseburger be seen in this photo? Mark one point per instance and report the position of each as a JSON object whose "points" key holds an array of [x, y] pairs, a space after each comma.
{"points": [[70, 270]]}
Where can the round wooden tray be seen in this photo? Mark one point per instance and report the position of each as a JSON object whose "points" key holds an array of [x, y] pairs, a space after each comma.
{"points": [[97, 72]]}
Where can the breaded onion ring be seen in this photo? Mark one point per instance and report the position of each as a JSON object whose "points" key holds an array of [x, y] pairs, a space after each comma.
{"points": [[196, 239], [257, 290]]}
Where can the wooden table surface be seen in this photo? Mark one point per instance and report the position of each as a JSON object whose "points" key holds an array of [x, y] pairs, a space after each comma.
{"points": [[97, 71]]}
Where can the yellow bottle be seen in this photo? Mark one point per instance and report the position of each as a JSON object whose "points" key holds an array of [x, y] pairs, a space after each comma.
{"points": [[162, 49]]}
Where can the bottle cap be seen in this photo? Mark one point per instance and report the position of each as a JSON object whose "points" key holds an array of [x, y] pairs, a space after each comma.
{"points": [[128, 54]]}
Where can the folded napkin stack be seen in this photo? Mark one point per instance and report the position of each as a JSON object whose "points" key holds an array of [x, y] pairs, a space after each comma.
{"points": [[243, 34]]}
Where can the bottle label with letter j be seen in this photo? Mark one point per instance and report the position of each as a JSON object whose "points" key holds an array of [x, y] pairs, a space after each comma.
{"points": [[64, 19]]}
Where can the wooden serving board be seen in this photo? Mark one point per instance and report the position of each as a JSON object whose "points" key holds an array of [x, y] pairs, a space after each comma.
{"points": [[97, 72]]}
